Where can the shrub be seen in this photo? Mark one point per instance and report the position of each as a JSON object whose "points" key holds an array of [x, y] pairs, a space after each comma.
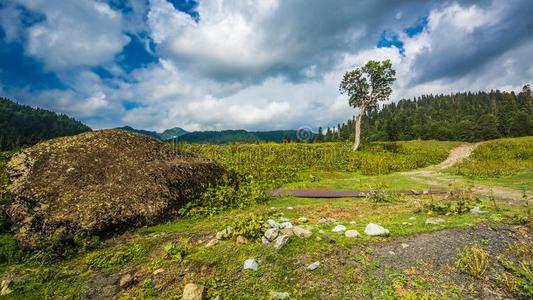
{"points": [[10, 253], [474, 261], [249, 226], [176, 251], [457, 202]]}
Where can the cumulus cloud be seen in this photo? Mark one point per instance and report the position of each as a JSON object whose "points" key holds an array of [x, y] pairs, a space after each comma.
{"points": [[263, 65], [74, 33]]}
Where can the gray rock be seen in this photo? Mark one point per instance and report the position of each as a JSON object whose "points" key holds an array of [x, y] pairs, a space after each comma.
{"points": [[193, 291], [351, 233], [287, 231], [435, 220], [375, 230], [328, 239], [271, 234], [264, 240], [326, 220], [251, 264], [339, 229], [301, 232], [281, 241], [313, 266], [279, 295], [286, 225], [225, 234], [126, 280], [273, 224]]}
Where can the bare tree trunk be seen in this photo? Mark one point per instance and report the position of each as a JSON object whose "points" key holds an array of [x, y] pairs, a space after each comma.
{"points": [[358, 130]]}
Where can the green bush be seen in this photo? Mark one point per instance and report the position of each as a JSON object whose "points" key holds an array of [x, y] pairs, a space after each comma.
{"points": [[457, 202], [249, 226], [176, 251], [9, 250]]}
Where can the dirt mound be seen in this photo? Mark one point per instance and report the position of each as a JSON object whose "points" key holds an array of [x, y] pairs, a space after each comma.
{"points": [[101, 183]]}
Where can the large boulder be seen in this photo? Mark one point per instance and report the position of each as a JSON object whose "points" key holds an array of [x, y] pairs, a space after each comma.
{"points": [[101, 183]]}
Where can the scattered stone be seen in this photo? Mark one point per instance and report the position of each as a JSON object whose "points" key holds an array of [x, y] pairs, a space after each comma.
{"points": [[193, 291], [477, 210], [6, 287], [273, 224], [328, 239], [126, 280], [351, 233], [434, 221], [407, 223], [281, 241], [264, 240], [242, 240], [313, 266], [321, 231], [158, 271], [404, 245], [318, 238], [251, 264], [287, 231], [301, 232], [353, 222], [375, 230], [212, 243], [412, 218], [283, 219], [303, 220], [224, 234], [286, 225], [279, 295], [326, 220], [290, 208], [392, 253], [271, 234], [339, 229]]}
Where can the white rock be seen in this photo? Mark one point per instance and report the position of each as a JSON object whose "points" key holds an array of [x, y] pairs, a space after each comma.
{"points": [[313, 266], [211, 243], [279, 295], [241, 240], [407, 223], [271, 234], [264, 240], [339, 229], [351, 233], [301, 232], [273, 224], [404, 245], [477, 210], [321, 231], [251, 264], [392, 253], [375, 230], [290, 208], [412, 218], [435, 220], [353, 222], [302, 220], [280, 241], [318, 238], [286, 225], [224, 234]]}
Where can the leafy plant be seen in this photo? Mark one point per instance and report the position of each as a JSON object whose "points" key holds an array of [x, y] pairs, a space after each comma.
{"points": [[249, 226], [474, 261], [457, 202], [176, 251]]}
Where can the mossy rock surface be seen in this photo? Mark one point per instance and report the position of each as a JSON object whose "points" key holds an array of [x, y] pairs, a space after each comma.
{"points": [[102, 183]]}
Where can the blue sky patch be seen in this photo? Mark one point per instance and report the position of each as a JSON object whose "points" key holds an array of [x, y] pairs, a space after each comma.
{"points": [[188, 7], [389, 39], [420, 25], [135, 55]]}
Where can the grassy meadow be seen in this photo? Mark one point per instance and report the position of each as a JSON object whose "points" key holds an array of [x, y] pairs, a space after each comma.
{"points": [[455, 259]]}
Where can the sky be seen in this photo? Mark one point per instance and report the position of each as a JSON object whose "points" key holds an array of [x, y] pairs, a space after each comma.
{"points": [[250, 64]]}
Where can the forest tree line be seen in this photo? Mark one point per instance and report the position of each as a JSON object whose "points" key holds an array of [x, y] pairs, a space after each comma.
{"points": [[22, 125], [467, 117]]}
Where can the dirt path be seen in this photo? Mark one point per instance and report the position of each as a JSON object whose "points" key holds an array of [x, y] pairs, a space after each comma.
{"points": [[438, 180]]}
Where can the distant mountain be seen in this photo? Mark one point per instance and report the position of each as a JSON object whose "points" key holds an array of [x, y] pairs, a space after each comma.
{"points": [[165, 135], [172, 133], [22, 125], [237, 136]]}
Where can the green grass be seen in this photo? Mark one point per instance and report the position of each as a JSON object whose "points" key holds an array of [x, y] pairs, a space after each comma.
{"points": [[508, 159]]}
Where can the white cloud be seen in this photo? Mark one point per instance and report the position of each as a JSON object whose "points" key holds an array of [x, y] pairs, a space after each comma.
{"points": [[75, 33]]}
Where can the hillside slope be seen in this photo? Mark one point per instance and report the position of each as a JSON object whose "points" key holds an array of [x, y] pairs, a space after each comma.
{"points": [[22, 125]]}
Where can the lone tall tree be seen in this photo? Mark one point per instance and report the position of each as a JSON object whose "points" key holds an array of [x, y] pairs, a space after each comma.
{"points": [[365, 87]]}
